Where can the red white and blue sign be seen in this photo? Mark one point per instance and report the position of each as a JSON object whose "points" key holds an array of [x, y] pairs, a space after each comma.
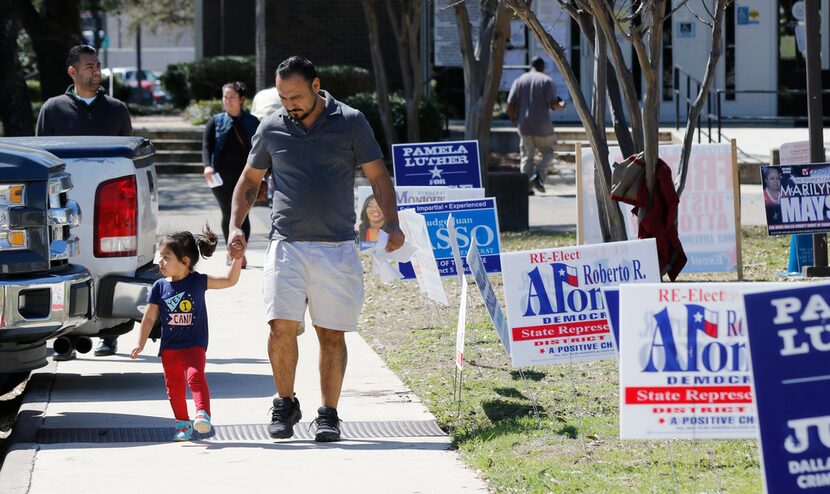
{"points": [[447, 164], [474, 219], [789, 341], [684, 362], [555, 309]]}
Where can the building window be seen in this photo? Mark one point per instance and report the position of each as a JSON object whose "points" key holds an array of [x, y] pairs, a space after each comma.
{"points": [[668, 61], [576, 50], [729, 51]]}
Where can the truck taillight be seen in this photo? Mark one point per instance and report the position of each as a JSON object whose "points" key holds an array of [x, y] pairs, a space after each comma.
{"points": [[116, 218]]}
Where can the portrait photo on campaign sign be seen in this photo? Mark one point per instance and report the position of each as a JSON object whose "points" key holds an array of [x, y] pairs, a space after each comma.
{"points": [[474, 219], [448, 164], [684, 362], [789, 343], [796, 198], [370, 218], [555, 309]]}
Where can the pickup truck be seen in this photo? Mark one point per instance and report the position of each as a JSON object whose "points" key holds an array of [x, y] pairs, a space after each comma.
{"points": [[42, 295], [116, 187]]}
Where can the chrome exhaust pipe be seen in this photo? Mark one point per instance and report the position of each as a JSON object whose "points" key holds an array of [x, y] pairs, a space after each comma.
{"points": [[63, 345], [83, 344]]}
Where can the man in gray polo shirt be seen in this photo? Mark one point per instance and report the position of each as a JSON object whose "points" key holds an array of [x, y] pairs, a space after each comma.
{"points": [[531, 96], [313, 144]]}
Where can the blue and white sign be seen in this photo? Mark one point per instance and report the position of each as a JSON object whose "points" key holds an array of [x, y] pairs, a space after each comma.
{"points": [[479, 271], [448, 164], [612, 310], [789, 341], [474, 219]]}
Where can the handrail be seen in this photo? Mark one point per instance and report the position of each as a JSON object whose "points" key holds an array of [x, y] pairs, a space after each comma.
{"points": [[717, 116], [678, 70]]}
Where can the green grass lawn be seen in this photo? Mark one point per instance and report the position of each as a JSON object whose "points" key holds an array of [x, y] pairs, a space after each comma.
{"points": [[573, 445]]}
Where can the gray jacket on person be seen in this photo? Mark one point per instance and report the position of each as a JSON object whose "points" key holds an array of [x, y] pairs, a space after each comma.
{"points": [[67, 115]]}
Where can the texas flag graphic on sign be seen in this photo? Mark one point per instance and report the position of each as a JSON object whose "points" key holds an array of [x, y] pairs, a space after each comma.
{"points": [[704, 320], [571, 278]]}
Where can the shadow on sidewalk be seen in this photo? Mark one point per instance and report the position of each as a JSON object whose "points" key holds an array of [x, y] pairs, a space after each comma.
{"points": [[135, 386]]}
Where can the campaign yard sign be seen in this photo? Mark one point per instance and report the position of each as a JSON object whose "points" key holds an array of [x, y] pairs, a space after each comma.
{"points": [[684, 363], [789, 340], [479, 272], [448, 164], [367, 211], [707, 209], [474, 219], [797, 198], [555, 309]]}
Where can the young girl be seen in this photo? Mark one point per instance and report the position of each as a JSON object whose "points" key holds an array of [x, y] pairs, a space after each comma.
{"points": [[179, 299]]}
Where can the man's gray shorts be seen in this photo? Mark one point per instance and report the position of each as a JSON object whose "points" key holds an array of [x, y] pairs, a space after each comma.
{"points": [[326, 276]]}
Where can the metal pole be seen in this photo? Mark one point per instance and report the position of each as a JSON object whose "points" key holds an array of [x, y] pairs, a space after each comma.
{"points": [[719, 115], [816, 123]]}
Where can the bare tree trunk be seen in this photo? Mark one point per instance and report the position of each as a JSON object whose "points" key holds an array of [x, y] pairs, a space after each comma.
{"points": [[482, 71], [618, 119], [613, 229], [406, 24], [15, 107], [53, 31], [708, 79], [379, 69]]}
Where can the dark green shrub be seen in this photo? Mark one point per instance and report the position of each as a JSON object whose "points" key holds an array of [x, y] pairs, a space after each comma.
{"points": [[120, 90], [174, 80], [33, 89], [203, 79], [206, 77], [431, 117], [343, 81]]}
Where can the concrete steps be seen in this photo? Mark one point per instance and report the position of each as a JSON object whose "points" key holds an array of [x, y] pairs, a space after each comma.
{"points": [[178, 149]]}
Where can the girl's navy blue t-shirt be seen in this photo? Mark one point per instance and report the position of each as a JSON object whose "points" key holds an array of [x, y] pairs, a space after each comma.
{"points": [[182, 310]]}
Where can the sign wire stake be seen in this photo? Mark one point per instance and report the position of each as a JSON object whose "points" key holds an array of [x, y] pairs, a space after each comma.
{"points": [[673, 469], [575, 397], [715, 468], [533, 402]]}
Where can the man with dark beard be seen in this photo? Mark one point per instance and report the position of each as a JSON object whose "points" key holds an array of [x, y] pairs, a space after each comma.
{"points": [[312, 145]]}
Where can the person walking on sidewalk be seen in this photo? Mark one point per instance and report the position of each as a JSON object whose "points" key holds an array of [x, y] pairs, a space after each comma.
{"points": [[312, 145], [531, 96], [179, 298], [85, 110], [225, 146]]}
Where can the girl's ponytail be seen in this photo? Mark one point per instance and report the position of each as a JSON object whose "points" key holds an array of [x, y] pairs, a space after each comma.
{"points": [[206, 241]]}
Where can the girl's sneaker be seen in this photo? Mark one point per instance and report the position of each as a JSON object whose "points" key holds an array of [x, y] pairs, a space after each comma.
{"points": [[184, 430], [202, 422]]}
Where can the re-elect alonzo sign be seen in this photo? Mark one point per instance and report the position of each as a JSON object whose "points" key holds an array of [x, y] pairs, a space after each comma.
{"points": [[684, 362], [789, 341], [555, 308], [450, 164]]}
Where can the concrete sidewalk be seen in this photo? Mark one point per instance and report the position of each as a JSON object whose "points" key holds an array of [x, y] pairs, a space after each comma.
{"points": [[75, 413]]}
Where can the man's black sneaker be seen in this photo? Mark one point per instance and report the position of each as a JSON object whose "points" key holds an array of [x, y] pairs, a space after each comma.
{"points": [[285, 412], [538, 183], [328, 425]]}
